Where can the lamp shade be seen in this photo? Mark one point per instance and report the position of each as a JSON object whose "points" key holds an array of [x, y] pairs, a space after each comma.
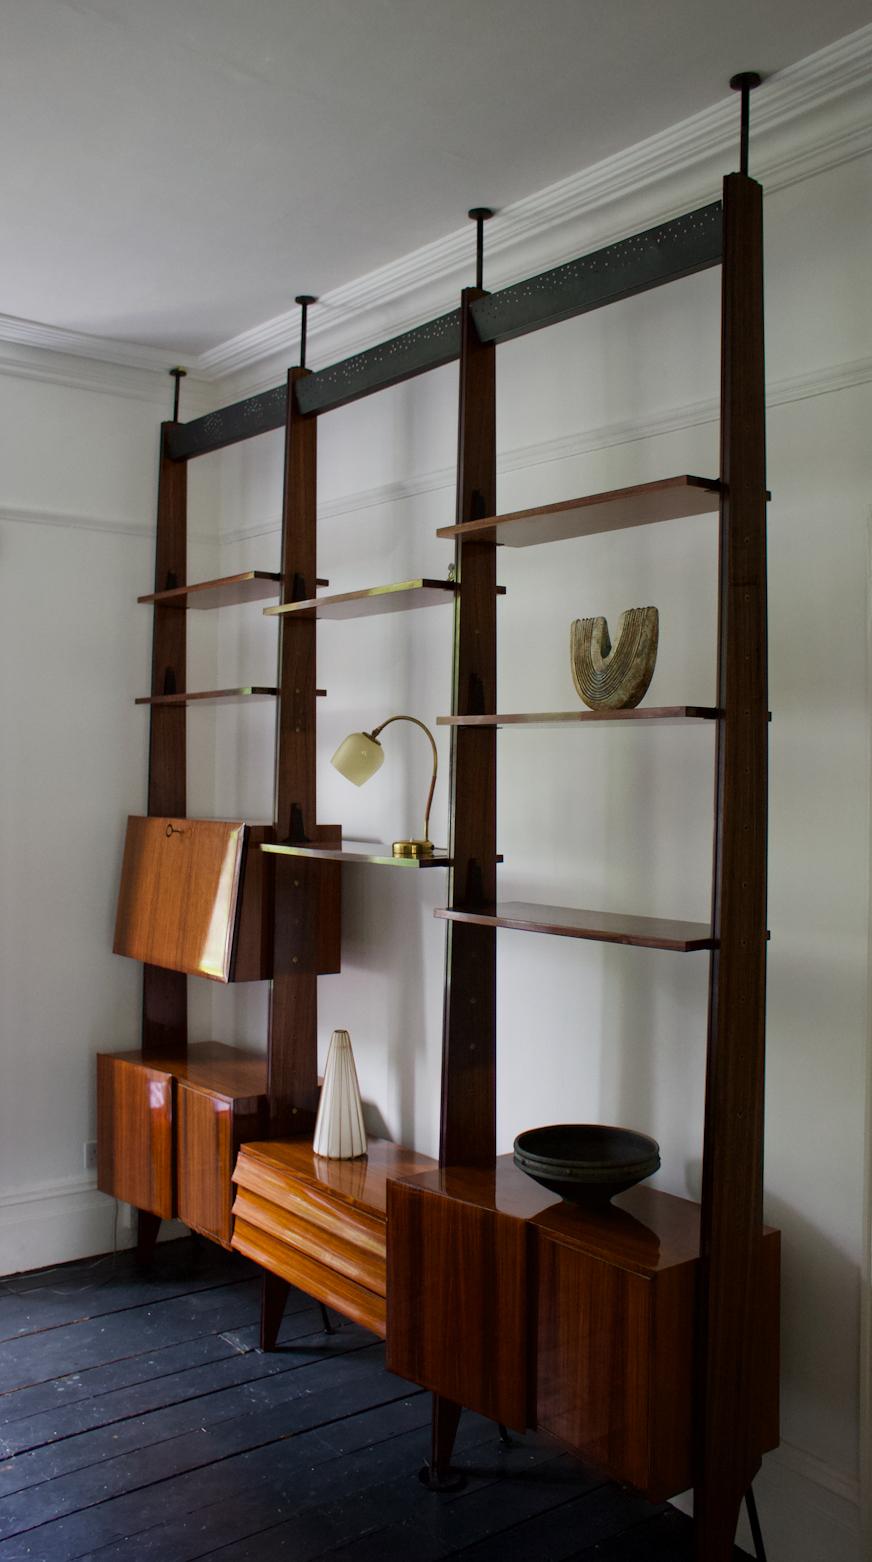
{"points": [[358, 757]]}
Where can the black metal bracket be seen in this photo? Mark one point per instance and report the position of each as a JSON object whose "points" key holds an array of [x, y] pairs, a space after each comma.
{"points": [[480, 215], [304, 300], [646, 260], [178, 374], [745, 82], [754, 1522]]}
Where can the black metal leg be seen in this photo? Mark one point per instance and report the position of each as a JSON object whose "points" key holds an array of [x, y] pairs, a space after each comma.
{"points": [[506, 1440], [328, 1327], [754, 1521]]}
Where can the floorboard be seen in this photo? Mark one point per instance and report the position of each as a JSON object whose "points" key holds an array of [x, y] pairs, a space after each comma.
{"points": [[139, 1419]]}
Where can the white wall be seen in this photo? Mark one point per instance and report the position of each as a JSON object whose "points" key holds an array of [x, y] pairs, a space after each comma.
{"points": [[617, 819], [78, 486]]}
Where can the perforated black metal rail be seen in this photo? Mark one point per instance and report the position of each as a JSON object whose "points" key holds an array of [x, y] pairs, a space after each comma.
{"points": [[664, 254]]}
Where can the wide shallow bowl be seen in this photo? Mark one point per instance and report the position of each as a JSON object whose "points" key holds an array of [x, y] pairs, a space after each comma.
{"points": [[586, 1162]]}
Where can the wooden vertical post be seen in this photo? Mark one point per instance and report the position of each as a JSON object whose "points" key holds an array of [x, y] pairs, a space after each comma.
{"points": [[468, 1126], [732, 1195], [293, 1021], [165, 993]]}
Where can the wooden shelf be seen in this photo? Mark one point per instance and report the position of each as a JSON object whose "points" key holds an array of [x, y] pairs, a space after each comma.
{"points": [[218, 696], [604, 926], [666, 715], [397, 598], [669, 499], [374, 852], [252, 585]]}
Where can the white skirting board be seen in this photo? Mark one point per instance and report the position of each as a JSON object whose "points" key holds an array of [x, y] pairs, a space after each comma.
{"points": [[808, 1511], [56, 1223]]}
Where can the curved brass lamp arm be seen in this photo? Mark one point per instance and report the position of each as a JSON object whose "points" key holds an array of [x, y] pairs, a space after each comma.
{"points": [[415, 722]]}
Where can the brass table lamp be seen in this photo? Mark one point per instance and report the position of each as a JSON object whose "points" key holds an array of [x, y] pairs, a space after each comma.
{"points": [[360, 756]]}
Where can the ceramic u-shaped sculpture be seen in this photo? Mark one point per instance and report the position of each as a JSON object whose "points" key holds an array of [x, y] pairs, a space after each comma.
{"points": [[339, 1131], [615, 677]]}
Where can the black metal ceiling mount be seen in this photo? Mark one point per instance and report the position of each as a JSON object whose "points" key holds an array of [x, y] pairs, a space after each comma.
{"points": [[479, 215], [663, 254], [745, 82], [304, 300], [178, 374]]}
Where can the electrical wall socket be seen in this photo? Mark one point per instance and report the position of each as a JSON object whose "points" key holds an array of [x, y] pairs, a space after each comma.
{"points": [[90, 1155]]}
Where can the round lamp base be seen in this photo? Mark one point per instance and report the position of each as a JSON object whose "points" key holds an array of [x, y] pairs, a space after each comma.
{"points": [[413, 848]]}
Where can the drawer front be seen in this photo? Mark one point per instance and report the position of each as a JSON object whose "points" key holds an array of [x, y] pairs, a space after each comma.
{"points": [[135, 1135], [301, 1201], [316, 1279], [336, 1248]]}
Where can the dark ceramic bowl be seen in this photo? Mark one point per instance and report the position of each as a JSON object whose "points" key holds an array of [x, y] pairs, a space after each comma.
{"points": [[586, 1162]]}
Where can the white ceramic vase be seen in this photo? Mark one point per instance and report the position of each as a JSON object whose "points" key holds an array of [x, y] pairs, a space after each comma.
{"points": [[339, 1131]]}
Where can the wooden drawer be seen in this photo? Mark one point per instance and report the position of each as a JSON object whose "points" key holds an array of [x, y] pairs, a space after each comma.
{"points": [[321, 1224]]}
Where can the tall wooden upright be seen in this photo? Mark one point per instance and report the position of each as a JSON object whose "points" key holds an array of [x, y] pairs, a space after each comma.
{"points": [[732, 1198], [293, 1022], [165, 993], [468, 1124]]}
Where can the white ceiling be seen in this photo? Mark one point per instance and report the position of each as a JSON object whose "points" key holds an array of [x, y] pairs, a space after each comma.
{"points": [[174, 171]]}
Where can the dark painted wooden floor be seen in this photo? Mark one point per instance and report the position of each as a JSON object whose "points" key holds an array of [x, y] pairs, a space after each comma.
{"points": [[139, 1423]]}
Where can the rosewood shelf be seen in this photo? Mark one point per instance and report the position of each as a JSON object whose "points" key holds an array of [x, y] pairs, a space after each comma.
{"points": [[666, 715], [397, 598], [253, 585], [605, 927], [671, 498], [374, 852], [218, 696]]}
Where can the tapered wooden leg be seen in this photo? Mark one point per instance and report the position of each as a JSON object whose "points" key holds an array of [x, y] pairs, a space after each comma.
{"points": [[716, 1517], [272, 1309], [438, 1474], [147, 1228]]}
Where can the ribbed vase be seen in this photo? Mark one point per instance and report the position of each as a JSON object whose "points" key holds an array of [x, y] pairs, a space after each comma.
{"points": [[339, 1131]]}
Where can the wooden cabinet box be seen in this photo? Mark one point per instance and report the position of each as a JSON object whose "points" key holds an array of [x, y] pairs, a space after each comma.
{"points": [[535, 1312], [169, 1132], [194, 898]]}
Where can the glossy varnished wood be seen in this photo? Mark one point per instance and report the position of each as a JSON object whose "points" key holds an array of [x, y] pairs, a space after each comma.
{"points": [[179, 898], [668, 499], [732, 1356], [458, 1300], [320, 1224], [135, 1155], [582, 1321], [570, 922], [211, 1125], [401, 597], [168, 1134], [468, 1105]]}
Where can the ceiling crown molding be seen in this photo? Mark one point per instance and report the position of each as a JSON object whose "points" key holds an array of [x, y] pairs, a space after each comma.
{"points": [[809, 117]]}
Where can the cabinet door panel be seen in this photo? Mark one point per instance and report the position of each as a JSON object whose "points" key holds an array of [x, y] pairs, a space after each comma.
{"points": [[135, 1134]]}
